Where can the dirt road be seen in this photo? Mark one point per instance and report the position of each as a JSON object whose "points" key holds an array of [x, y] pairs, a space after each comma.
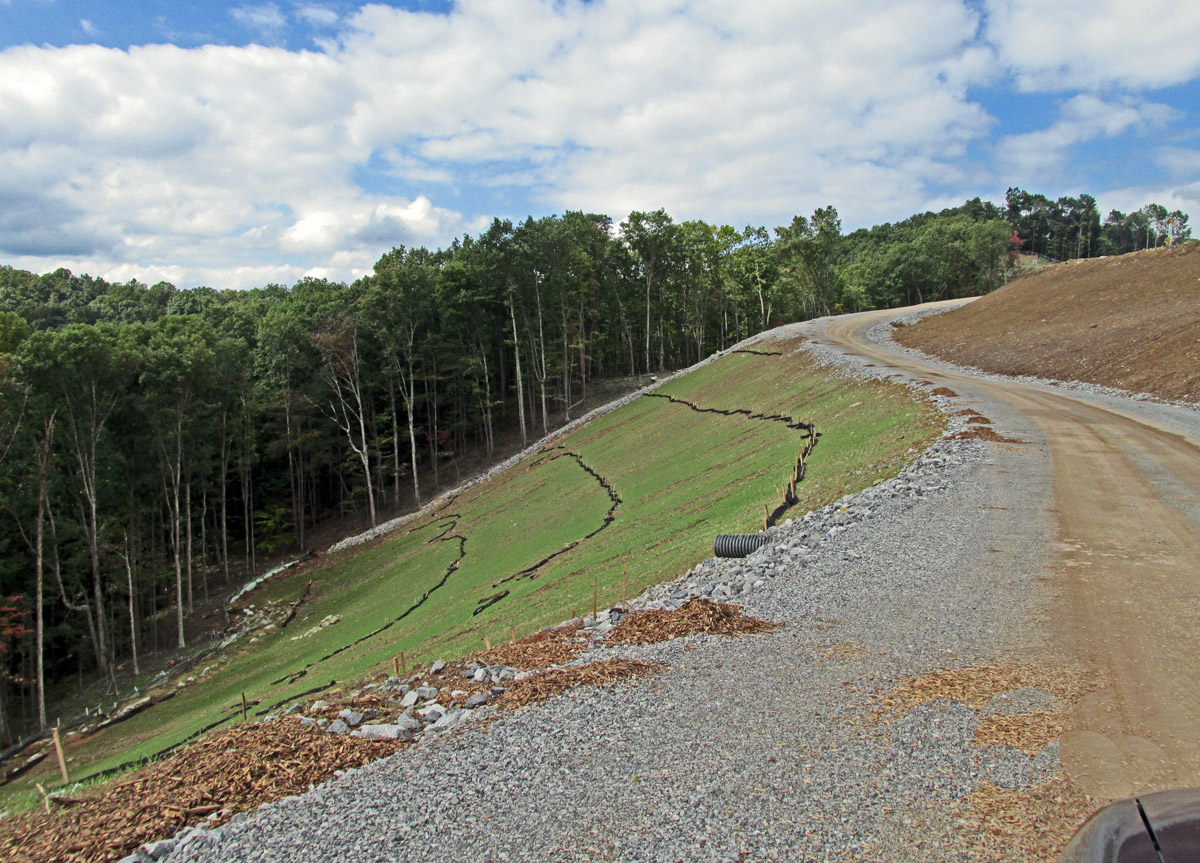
{"points": [[1123, 583]]}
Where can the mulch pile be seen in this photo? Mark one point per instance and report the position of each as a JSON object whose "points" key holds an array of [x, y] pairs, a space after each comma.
{"points": [[542, 686], [977, 429], [540, 650], [697, 615], [230, 771], [977, 432]]}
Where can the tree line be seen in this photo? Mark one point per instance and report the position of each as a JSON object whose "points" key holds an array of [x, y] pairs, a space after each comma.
{"points": [[157, 444]]}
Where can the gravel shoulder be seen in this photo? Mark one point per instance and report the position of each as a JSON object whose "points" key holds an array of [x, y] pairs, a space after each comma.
{"points": [[786, 746]]}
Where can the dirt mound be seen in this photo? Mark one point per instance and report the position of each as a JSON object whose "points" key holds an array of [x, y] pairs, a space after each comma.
{"points": [[1131, 321]]}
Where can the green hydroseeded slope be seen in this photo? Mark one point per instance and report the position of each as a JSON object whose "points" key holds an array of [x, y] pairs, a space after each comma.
{"points": [[681, 476]]}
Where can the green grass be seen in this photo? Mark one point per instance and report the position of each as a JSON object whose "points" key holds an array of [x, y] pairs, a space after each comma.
{"points": [[682, 477]]}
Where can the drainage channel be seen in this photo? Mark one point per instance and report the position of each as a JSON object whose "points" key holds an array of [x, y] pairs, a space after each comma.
{"points": [[532, 572], [445, 536], [788, 497], [791, 423]]}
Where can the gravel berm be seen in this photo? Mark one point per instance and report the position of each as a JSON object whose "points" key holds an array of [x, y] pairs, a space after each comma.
{"points": [[755, 748]]}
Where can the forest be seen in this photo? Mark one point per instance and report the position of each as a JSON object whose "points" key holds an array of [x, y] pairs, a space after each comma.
{"points": [[159, 445]]}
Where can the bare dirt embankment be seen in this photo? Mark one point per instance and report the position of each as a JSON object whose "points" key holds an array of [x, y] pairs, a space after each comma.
{"points": [[1131, 322]]}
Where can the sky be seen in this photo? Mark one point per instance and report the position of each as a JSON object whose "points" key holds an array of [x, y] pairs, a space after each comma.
{"points": [[240, 144]]}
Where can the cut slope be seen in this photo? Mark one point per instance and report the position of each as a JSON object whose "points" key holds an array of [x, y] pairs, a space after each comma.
{"points": [[638, 493], [1131, 322]]}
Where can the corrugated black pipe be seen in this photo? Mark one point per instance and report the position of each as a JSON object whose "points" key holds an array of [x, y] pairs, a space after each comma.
{"points": [[738, 545]]}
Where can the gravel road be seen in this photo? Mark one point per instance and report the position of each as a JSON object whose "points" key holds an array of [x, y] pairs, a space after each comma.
{"points": [[761, 748]]}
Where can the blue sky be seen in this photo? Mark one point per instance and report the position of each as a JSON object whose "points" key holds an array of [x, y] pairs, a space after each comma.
{"points": [[236, 144]]}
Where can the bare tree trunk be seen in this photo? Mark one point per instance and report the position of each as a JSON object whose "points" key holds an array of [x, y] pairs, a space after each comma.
{"points": [[56, 565], [649, 271], [132, 611], [175, 480], [43, 459], [540, 369], [487, 410], [395, 443], [224, 495], [520, 386], [187, 495]]}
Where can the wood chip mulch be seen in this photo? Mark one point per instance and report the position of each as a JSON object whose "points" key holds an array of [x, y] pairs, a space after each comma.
{"points": [[974, 417], [697, 615], [1029, 732], [231, 771], [243, 767], [542, 686], [994, 823], [976, 432], [539, 650], [978, 685], [1022, 825]]}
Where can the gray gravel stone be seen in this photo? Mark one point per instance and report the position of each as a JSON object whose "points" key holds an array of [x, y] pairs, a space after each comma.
{"points": [[408, 723], [381, 731]]}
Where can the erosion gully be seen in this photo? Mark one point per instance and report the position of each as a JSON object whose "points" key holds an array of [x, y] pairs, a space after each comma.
{"points": [[1123, 581]]}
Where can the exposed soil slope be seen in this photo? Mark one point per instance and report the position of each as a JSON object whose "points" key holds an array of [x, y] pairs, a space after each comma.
{"points": [[1131, 321]]}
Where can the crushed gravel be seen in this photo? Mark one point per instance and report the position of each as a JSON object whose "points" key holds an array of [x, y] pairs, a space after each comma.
{"points": [[767, 747]]}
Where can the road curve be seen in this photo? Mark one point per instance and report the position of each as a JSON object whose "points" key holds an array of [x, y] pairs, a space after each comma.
{"points": [[1124, 577]]}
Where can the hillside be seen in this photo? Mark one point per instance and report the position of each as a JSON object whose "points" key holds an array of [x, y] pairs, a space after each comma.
{"points": [[1131, 321], [629, 500]]}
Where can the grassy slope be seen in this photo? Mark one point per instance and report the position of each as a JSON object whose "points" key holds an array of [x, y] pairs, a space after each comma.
{"points": [[1131, 321], [682, 477]]}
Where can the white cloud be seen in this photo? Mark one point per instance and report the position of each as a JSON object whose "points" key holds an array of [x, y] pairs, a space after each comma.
{"points": [[1039, 156], [87, 26], [265, 18], [223, 165], [694, 106], [1183, 197], [1096, 43], [317, 15]]}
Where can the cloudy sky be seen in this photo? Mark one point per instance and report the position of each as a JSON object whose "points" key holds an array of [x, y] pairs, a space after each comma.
{"points": [[236, 144]]}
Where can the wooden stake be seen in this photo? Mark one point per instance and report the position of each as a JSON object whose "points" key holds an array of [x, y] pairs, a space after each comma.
{"points": [[62, 759], [395, 666], [45, 796], [512, 631], [243, 707], [487, 643]]}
